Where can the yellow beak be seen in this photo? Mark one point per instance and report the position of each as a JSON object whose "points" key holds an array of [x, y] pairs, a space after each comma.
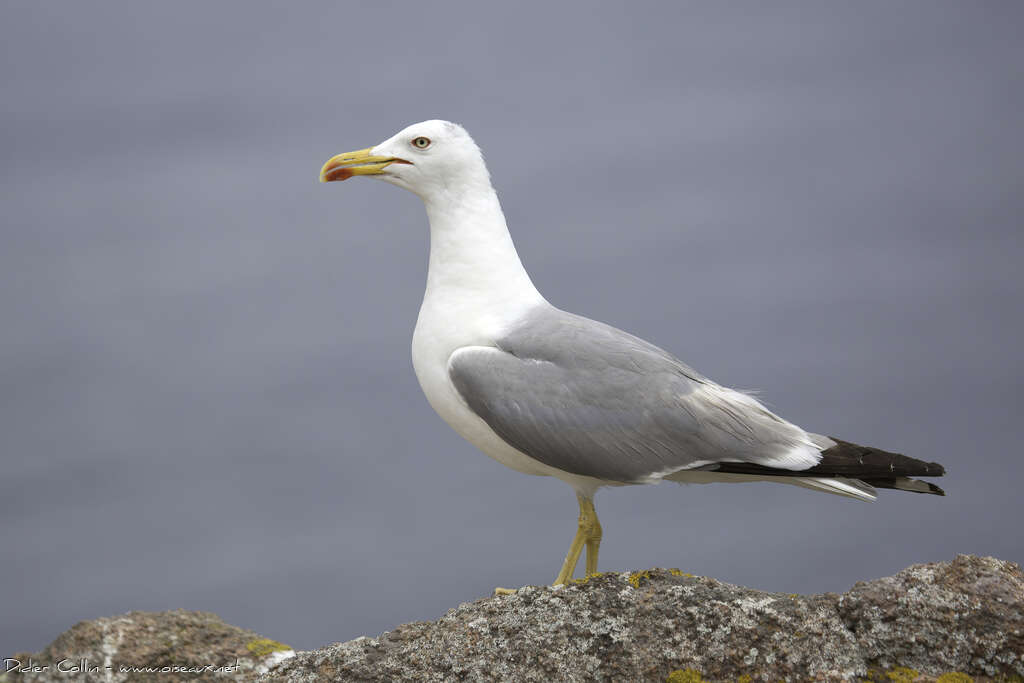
{"points": [[360, 162]]}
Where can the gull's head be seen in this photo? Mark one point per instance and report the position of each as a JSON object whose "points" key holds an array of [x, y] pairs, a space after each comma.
{"points": [[427, 158]]}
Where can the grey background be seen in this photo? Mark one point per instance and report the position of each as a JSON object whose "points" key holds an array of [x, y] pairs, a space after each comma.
{"points": [[207, 397]]}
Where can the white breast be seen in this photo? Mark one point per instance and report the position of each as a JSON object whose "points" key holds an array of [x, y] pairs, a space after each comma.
{"points": [[440, 331]]}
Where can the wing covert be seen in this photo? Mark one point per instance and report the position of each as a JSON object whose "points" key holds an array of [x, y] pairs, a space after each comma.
{"points": [[586, 398]]}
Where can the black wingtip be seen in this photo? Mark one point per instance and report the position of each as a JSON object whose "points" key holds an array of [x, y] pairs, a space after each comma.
{"points": [[853, 460], [904, 484]]}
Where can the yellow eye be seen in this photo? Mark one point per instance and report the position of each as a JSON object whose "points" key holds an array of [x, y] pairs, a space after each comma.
{"points": [[421, 142]]}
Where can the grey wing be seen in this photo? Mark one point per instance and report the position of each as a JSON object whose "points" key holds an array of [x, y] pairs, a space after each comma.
{"points": [[589, 399]]}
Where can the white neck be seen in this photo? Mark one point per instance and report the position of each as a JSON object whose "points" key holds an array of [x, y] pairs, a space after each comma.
{"points": [[472, 257]]}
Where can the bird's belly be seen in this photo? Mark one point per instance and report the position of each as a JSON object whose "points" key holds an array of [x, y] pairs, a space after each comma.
{"points": [[449, 404], [432, 345]]}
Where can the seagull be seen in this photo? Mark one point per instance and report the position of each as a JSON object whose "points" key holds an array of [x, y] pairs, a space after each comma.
{"points": [[550, 393]]}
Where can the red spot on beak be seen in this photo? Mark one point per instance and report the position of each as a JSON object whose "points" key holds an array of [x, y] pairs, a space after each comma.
{"points": [[338, 173]]}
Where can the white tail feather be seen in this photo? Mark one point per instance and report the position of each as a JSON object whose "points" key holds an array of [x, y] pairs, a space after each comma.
{"points": [[839, 486]]}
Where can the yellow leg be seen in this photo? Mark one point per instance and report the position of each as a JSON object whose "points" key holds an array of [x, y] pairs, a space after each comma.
{"points": [[588, 532], [593, 541]]}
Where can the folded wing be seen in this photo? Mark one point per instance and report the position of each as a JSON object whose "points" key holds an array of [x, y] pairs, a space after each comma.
{"points": [[589, 399]]}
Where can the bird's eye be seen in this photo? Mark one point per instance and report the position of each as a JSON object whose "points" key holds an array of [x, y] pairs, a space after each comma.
{"points": [[421, 142]]}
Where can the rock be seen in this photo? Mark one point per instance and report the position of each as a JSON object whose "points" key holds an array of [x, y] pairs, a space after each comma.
{"points": [[949, 622], [150, 646], [965, 615], [929, 622]]}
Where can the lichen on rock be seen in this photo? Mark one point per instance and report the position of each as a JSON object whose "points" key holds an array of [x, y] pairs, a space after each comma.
{"points": [[950, 622], [152, 646]]}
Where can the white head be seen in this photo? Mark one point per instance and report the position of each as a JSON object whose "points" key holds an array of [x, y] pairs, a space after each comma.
{"points": [[431, 158]]}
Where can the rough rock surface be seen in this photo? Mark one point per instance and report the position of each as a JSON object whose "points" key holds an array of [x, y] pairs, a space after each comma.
{"points": [[964, 616], [949, 622], [150, 646]]}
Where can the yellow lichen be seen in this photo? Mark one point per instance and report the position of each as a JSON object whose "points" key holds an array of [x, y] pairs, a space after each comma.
{"points": [[635, 578], [261, 647], [587, 578], [745, 678], [678, 572], [685, 676], [954, 677], [902, 674]]}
